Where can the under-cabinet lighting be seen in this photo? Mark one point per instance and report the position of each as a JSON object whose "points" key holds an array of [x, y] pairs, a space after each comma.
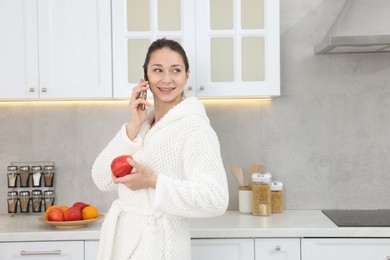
{"points": [[111, 101]]}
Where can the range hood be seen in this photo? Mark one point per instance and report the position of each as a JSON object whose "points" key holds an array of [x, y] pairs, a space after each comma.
{"points": [[361, 26]]}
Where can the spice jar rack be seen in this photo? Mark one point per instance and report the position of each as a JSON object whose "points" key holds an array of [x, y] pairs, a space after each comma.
{"points": [[30, 184]]}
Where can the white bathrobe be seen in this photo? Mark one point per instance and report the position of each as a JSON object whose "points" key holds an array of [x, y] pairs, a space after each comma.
{"points": [[153, 224]]}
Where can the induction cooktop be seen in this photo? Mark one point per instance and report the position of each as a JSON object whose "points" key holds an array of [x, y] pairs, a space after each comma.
{"points": [[359, 218]]}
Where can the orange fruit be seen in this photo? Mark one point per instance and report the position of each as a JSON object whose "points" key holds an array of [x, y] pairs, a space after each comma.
{"points": [[49, 208], [64, 208], [89, 212]]}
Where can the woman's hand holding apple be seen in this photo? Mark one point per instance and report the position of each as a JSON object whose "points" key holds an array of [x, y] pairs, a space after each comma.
{"points": [[143, 177]]}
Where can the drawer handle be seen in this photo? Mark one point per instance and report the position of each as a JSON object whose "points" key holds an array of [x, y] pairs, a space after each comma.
{"points": [[53, 252], [44, 89], [32, 89], [189, 88], [278, 248]]}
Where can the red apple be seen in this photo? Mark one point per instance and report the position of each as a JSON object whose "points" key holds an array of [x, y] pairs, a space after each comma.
{"points": [[80, 205], [72, 214], [120, 167], [55, 214]]}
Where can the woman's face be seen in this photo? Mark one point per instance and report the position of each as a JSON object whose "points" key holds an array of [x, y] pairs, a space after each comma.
{"points": [[167, 76]]}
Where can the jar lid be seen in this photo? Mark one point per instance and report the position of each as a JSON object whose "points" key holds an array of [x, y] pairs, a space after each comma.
{"points": [[48, 167], [36, 168], [36, 192], [24, 193], [24, 168], [261, 177], [12, 193], [49, 192], [12, 168], [277, 185]]}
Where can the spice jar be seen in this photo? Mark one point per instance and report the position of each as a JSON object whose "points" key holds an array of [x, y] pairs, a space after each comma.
{"points": [[48, 196], [12, 199], [12, 176], [24, 199], [36, 176], [261, 194], [277, 196], [24, 173], [36, 200], [48, 173], [245, 199]]}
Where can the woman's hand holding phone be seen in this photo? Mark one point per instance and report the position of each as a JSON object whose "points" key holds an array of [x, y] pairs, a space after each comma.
{"points": [[137, 108]]}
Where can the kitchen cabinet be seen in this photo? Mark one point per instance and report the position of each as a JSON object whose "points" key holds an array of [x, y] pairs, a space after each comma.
{"points": [[55, 49], [345, 249], [91, 248], [227, 249], [278, 249], [232, 46], [64, 250]]}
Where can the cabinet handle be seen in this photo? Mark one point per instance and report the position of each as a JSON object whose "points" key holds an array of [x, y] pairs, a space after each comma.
{"points": [[44, 89], [201, 88], [53, 252], [32, 89], [278, 248], [189, 88]]}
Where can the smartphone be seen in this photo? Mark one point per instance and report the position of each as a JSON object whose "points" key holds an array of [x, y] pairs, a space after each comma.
{"points": [[144, 94]]}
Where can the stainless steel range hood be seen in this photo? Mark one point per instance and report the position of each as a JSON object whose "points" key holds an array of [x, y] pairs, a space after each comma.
{"points": [[361, 26]]}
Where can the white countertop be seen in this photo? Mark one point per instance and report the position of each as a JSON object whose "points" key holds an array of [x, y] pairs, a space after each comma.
{"points": [[290, 223]]}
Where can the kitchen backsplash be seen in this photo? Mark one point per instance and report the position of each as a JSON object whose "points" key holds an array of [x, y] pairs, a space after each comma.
{"points": [[326, 137]]}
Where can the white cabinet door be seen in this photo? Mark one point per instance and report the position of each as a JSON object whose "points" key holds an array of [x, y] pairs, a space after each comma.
{"points": [[65, 250], [345, 249], [91, 249], [64, 52], [222, 249], [278, 249], [18, 49], [74, 48], [229, 55]]}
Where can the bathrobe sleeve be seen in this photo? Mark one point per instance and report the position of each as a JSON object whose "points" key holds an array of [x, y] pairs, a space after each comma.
{"points": [[204, 191], [119, 145]]}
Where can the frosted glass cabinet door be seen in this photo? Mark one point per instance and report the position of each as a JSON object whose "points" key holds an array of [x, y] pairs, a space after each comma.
{"points": [[138, 23], [238, 48]]}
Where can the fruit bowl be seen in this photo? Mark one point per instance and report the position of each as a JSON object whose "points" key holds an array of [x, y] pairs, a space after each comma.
{"points": [[69, 224]]}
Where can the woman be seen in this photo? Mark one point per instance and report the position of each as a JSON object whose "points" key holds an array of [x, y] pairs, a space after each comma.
{"points": [[178, 171]]}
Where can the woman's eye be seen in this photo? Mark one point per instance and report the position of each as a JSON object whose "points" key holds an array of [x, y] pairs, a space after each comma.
{"points": [[176, 71]]}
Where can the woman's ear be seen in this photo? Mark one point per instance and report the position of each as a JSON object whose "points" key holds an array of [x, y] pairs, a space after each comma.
{"points": [[188, 73]]}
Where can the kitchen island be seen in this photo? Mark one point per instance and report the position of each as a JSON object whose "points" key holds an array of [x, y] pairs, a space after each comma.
{"points": [[298, 234]]}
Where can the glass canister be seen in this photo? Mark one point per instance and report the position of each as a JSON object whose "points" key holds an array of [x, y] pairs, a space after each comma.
{"points": [[48, 196], [24, 201], [261, 192], [277, 196], [24, 176], [36, 196], [48, 173], [12, 176], [36, 176], [12, 199]]}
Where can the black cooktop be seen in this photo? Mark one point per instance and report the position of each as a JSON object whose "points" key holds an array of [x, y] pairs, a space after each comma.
{"points": [[359, 218]]}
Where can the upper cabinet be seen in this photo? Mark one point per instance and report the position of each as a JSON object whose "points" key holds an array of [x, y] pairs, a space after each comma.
{"points": [[55, 49], [232, 45]]}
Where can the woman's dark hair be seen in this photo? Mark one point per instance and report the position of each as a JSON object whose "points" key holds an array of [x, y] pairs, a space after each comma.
{"points": [[165, 43]]}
